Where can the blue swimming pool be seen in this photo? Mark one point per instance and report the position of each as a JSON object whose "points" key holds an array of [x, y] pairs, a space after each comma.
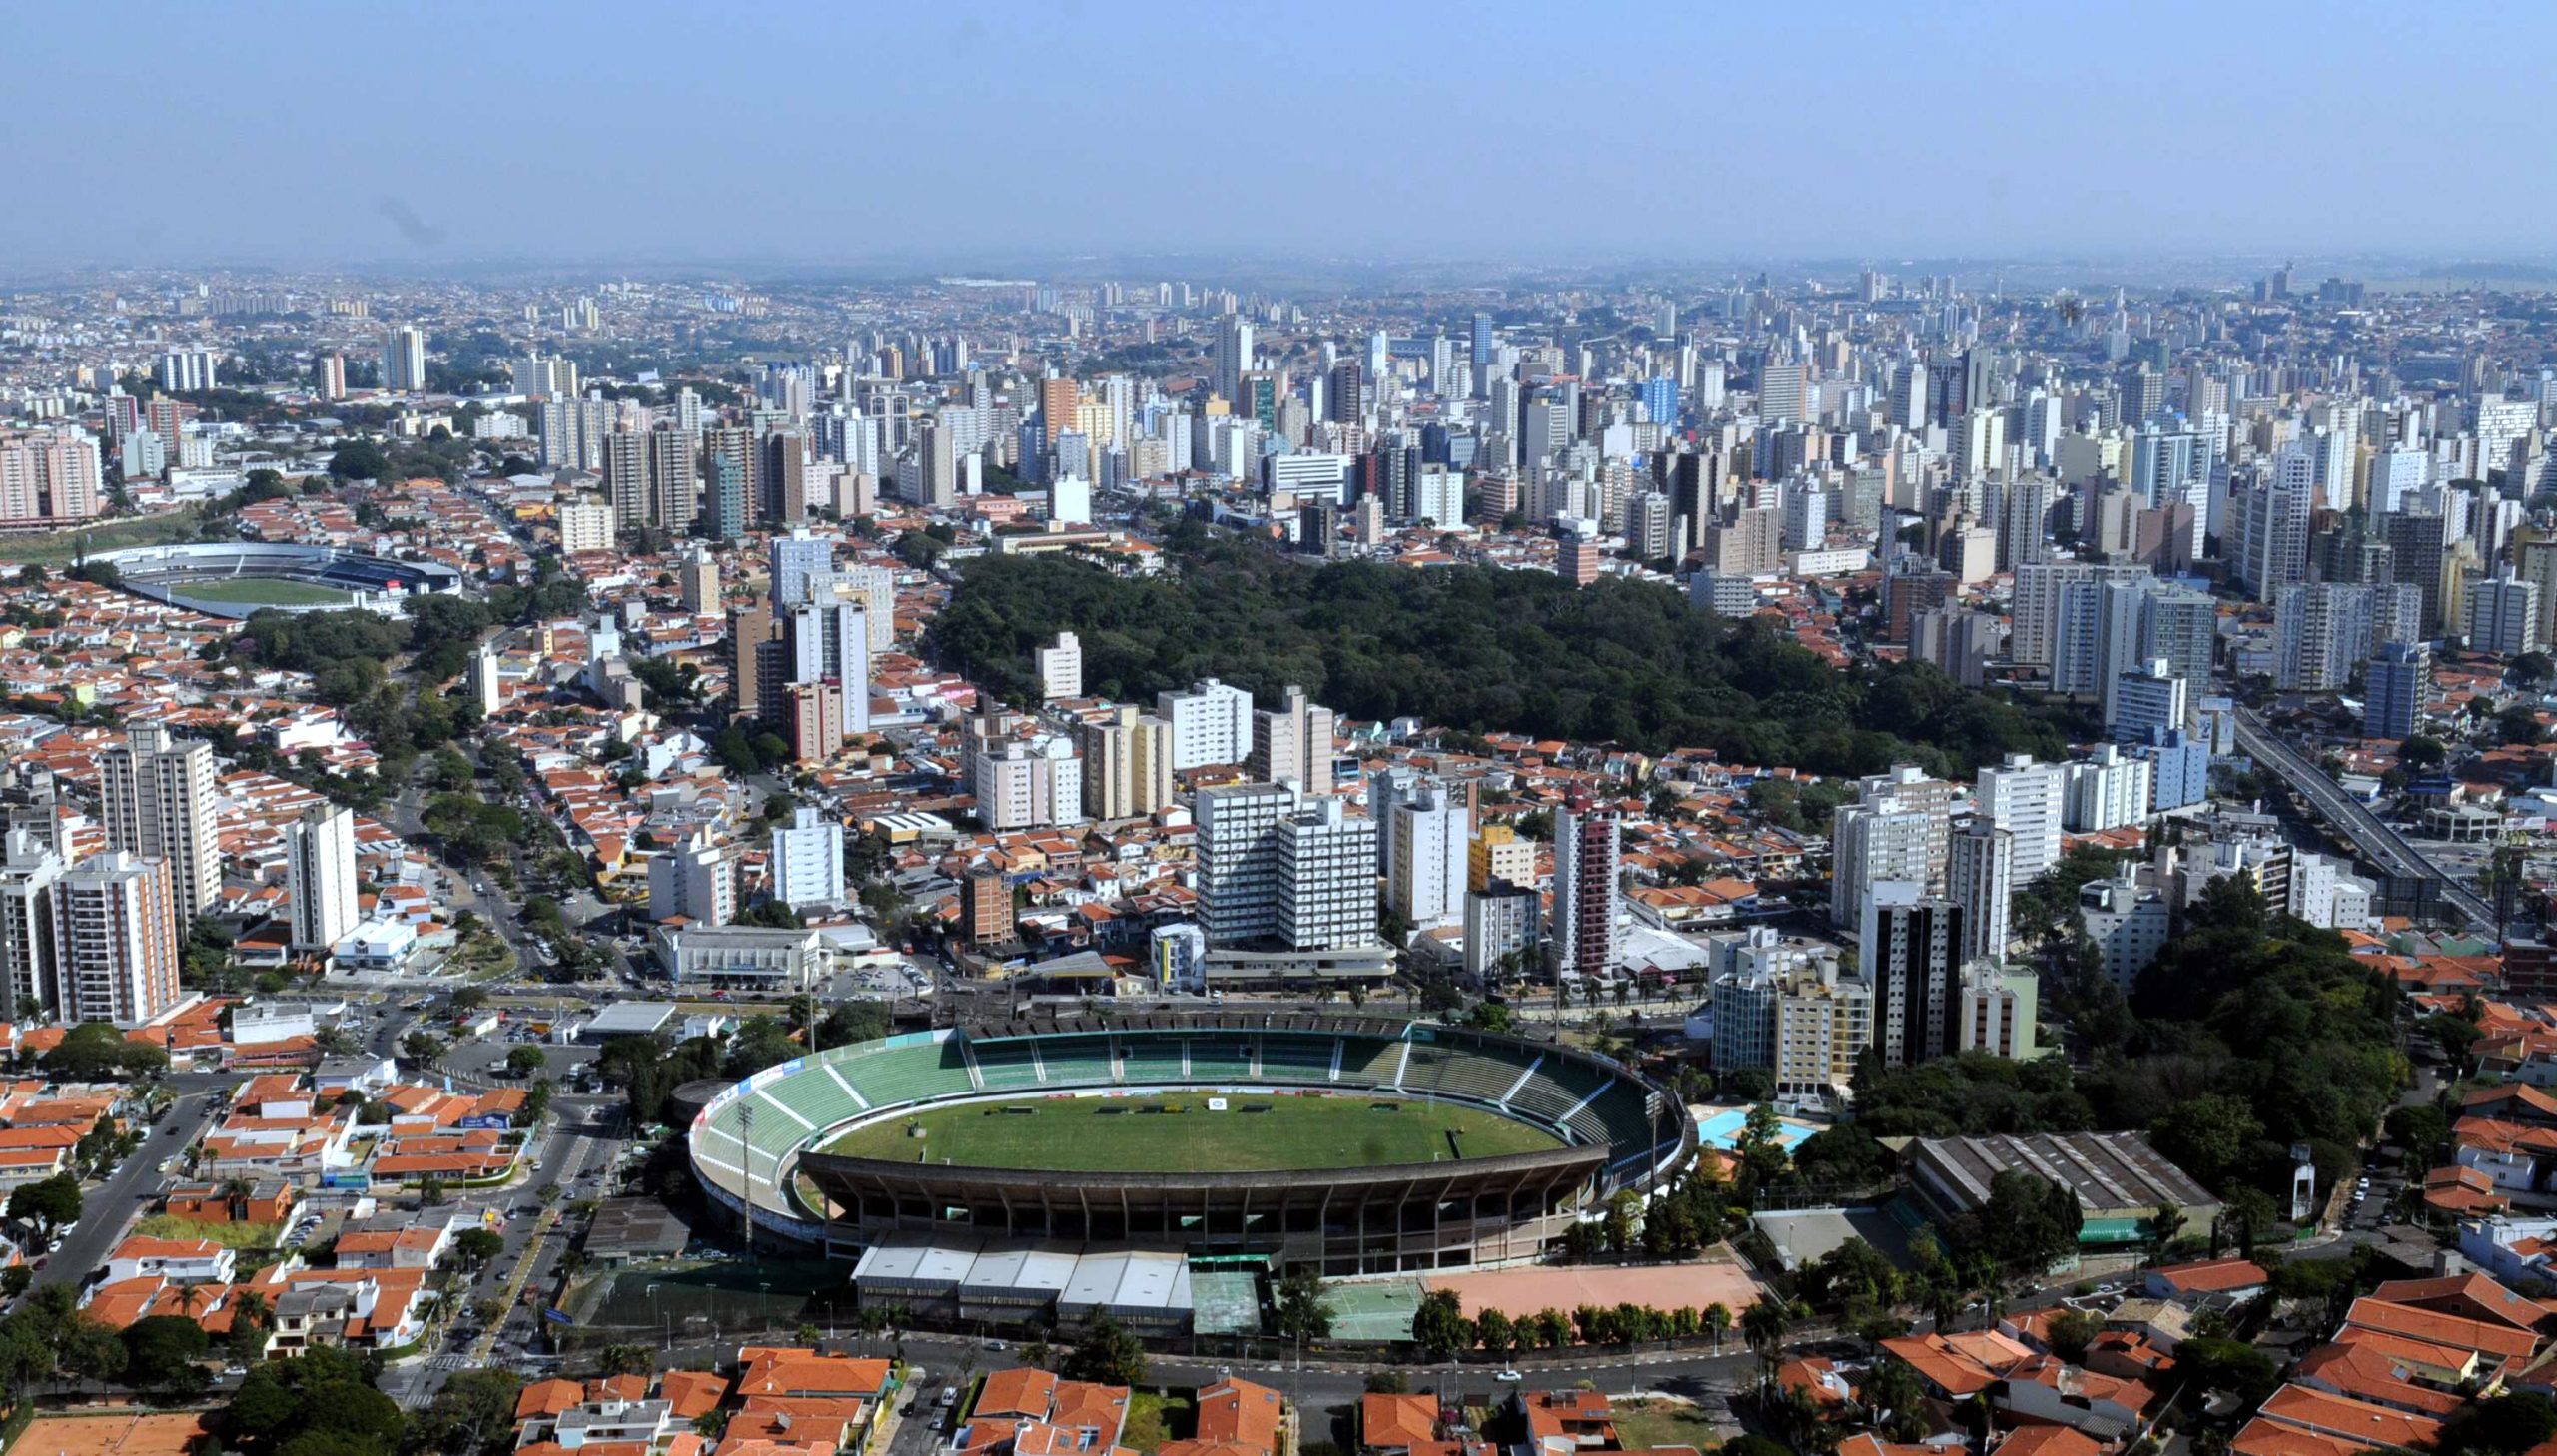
{"points": [[1721, 1130]]}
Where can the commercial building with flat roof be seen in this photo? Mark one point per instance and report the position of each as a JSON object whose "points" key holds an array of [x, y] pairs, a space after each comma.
{"points": [[2119, 1180]]}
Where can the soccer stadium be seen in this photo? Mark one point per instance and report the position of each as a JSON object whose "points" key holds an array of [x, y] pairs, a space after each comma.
{"points": [[1353, 1143], [225, 579]]}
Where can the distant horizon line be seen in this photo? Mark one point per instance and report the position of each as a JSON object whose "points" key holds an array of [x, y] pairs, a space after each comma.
{"points": [[1214, 264]]}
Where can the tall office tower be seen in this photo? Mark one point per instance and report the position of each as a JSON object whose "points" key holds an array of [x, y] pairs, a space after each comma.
{"points": [[829, 643], [1586, 894], [320, 850], [796, 558], [1907, 402], [1058, 404], [1483, 339], [727, 497], [2271, 529], [1781, 399], [157, 797], [2396, 689], [2321, 632], [2538, 564], [782, 473], [697, 580], [2023, 522], [807, 859], [1237, 850], [2029, 800], [1911, 955], [1060, 667], [1210, 723], [1661, 400], [1895, 830], [1983, 875], [937, 460], [2418, 546], [1234, 357], [2148, 700], [1348, 389], [1326, 878], [736, 445], [115, 941], [329, 376], [1127, 765], [2503, 615], [751, 629], [1291, 743], [696, 880], [403, 359], [2396, 474], [1426, 856], [49, 477], [27, 877]]}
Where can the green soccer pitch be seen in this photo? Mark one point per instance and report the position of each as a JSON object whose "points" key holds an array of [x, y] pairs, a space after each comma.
{"points": [[1147, 1134], [262, 591]]}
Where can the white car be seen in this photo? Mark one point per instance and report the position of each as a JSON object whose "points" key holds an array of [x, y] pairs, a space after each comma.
{"points": [[1508, 1377]]}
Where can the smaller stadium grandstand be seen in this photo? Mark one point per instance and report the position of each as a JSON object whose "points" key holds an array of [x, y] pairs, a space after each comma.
{"points": [[227, 579]]}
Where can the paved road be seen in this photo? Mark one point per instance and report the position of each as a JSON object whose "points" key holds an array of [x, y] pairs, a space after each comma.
{"points": [[108, 1210], [2384, 846]]}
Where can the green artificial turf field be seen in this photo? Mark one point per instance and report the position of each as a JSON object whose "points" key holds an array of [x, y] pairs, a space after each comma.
{"points": [[1143, 1135], [262, 591]]}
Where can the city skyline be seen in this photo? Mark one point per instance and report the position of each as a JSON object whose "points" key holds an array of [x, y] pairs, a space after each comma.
{"points": [[289, 135]]}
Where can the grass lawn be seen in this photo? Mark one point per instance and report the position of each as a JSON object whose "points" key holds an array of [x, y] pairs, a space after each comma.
{"points": [[265, 592], [1141, 1135], [1154, 1419], [62, 548], [1647, 1423]]}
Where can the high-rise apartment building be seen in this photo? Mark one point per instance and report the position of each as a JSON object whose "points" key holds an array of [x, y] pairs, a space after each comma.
{"points": [[1911, 955], [28, 873], [2398, 688], [696, 880], [1127, 764], [2503, 615], [157, 796], [1291, 743], [1587, 897], [1984, 887], [403, 360], [1326, 878], [49, 477], [1426, 856], [1238, 852], [115, 940], [1895, 830], [1060, 667], [1210, 724], [1497, 853], [319, 862], [2030, 801], [807, 859]]}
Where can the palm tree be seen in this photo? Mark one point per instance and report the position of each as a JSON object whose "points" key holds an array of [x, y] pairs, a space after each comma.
{"points": [[1764, 1325]]}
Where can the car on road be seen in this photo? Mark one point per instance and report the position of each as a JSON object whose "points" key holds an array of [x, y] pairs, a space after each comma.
{"points": [[1507, 1377]]}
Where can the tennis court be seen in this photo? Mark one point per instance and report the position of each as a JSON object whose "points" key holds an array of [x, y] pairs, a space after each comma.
{"points": [[1225, 1301], [1380, 1310], [1521, 1291]]}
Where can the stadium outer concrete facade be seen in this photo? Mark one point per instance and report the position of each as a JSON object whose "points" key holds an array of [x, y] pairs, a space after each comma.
{"points": [[755, 1147], [377, 583]]}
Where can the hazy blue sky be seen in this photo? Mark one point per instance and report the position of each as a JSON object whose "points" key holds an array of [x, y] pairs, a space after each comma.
{"points": [[1686, 128]]}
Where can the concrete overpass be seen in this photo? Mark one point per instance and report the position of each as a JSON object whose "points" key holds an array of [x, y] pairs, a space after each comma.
{"points": [[2351, 820]]}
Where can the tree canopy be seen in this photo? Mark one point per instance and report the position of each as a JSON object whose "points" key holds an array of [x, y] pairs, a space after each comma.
{"points": [[1477, 649]]}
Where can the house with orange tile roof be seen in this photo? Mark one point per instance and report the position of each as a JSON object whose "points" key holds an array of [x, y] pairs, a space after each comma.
{"points": [[2340, 1418], [2497, 1344], [1236, 1418], [1389, 1424], [2207, 1281], [2048, 1391], [1028, 1412], [2363, 1372], [181, 1260]]}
